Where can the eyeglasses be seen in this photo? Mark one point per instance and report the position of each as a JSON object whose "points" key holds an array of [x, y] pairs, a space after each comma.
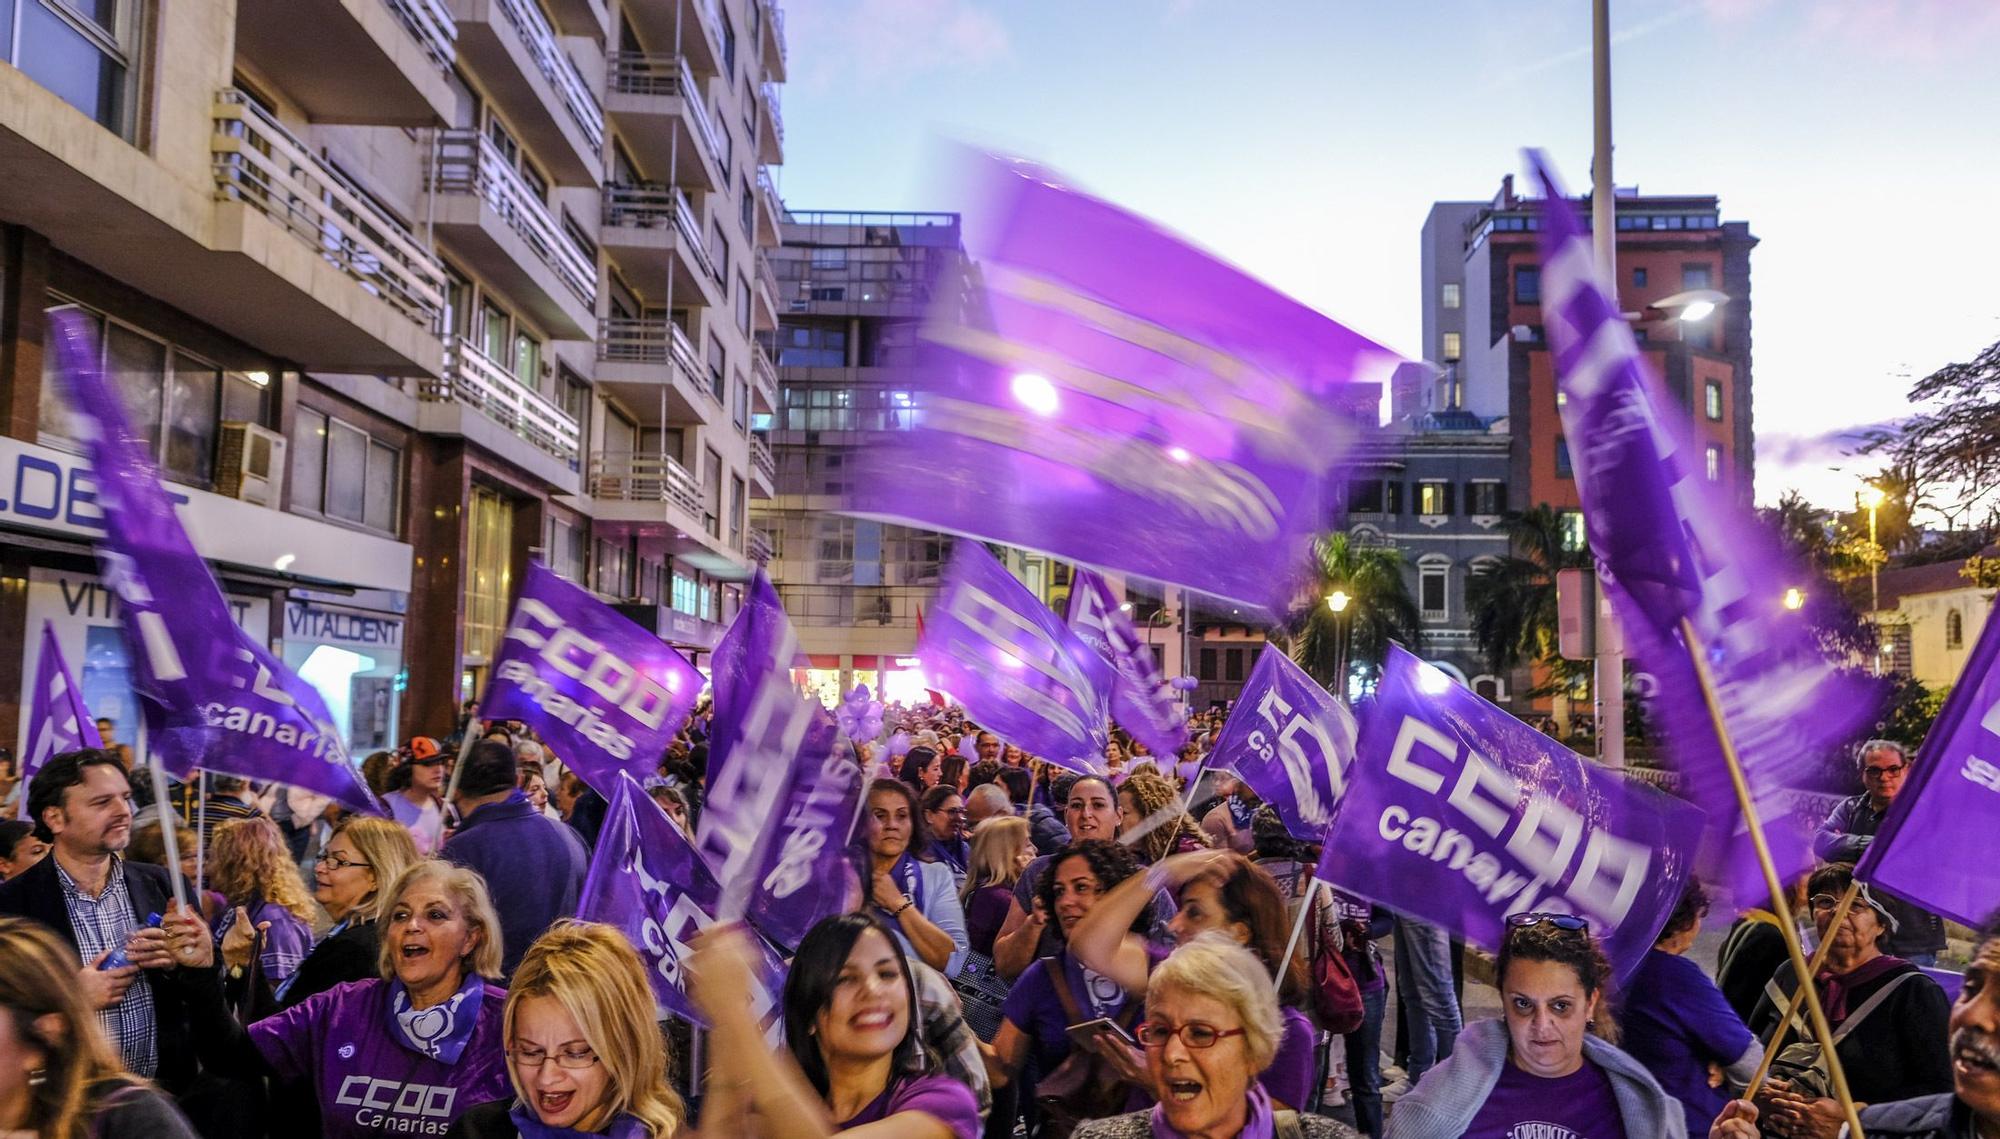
{"points": [[573, 1059], [1883, 772], [1568, 923], [1194, 1034], [337, 862], [954, 812]]}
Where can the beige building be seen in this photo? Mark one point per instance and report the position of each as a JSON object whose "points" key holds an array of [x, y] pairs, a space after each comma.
{"points": [[1930, 618], [407, 292]]}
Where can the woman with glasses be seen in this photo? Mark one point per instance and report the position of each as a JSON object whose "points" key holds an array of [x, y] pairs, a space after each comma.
{"points": [[1548, 1066], [916, 899], [584, 1049], [1212, 1022], [944, 820]]}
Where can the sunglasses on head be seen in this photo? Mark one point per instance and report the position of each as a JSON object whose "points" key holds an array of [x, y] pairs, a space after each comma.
{"points": [[1569, 923]]}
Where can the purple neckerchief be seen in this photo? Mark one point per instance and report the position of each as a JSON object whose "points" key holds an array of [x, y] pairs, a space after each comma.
{"points": [[531, 1127], [904, 871], [1839, 985], [1240, 812], [953, 852], [1104, 995], [442, 1030], [1258, 1126]]}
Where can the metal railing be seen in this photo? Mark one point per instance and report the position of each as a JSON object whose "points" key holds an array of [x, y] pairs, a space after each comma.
{"points": [[258, 162], [558, 69], [760, 455], [630, 476], [757, 544], [776, 15], [644, 73], [760, 367], [768, 277], [768, 191], [777, 112], [472, 377], [430, 21], [467, 163], [628, 340], [648, 206]]}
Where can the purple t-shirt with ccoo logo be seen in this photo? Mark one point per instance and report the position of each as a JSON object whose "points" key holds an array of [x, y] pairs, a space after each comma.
{"points": [[1580, 1105], [368, 1082]]}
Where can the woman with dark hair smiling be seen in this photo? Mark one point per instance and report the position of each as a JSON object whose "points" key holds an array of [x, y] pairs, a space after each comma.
{"points": [[855, 1058]]}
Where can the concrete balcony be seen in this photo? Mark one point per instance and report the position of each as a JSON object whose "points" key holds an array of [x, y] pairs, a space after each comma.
{"points": [[476, 382], [770, 210], [652, 233], [649, 487], [763, 380], [694, 25], [516, 56], [651, 367], [487, 215], [771, 127], [373, 62], [763, 469], [663, 117], [757, 544], [771, 38], [768, 297], [590, 18]]}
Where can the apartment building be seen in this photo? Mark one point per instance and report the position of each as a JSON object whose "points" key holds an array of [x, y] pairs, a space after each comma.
{"points": [[406, 293]]}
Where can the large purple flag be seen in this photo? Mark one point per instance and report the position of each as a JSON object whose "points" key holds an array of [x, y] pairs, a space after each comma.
{"points": [[1141, 702], [58, 721], [1672, 546], [1460, 814], [1112, 395], [1291, 741], [1949, 808], [1017, 669], [803, 870], [216, 698], [763, 729], [607, 695], [647, 881]]}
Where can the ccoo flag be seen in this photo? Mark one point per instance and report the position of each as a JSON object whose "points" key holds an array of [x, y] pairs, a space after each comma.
{"points": [[1291, 741], [1950, 806], [1016, 668], [1141, 702], [647, 882], [1461, 814], [1672, 546], [604, 693], [58, 721], [216, 698], [802, 872], [1110, 394]]}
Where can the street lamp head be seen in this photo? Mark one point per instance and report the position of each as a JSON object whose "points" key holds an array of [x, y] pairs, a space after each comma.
{"points": [[1699, 310], [1337, 601], [1873, 497], [1795, 598]]}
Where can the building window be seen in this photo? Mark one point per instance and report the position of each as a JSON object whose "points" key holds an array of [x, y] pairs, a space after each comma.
{"points": [[1433, 498], [746, 211], [1712, 399], [80, 50], [718, 364], [1392, 497], [1954, 630], [1452, 347], [728, 47], [1452, 294], [1490, 687], [1232, 664], [340, 472], [743, 305], [528, 361], [567, 548], [1562, 458], [1694, 277], [1486, 496], [738, 505], [1527, 284], [1432, 594], [613, 558], [1714, 457], [718, 250], [741, 409], [489, 575], [1574, 537], [1364, 496], [1208, 665], [1639, 278]]}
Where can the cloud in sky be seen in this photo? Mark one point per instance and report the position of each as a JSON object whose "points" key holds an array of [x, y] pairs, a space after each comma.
{"points": [[888, 41], [1823, 449], [1920, 30]]}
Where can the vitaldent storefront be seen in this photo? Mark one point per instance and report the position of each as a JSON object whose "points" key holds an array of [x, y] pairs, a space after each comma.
{"points": [[327, 599]]}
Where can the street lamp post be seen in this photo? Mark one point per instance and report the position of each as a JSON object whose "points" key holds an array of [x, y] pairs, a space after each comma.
{"points": [[1872, 498], [1338, 601]]}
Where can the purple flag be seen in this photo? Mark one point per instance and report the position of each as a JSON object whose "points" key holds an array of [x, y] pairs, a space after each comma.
{"points": [[1672, 546], [1291, 741], [1950, 806], [803, 870], [647, 881], [1016, 668], [763, 729], [1460, 814], [1141, 702], [604, 693], [58, 721], [1120, 398], [216, 698]]}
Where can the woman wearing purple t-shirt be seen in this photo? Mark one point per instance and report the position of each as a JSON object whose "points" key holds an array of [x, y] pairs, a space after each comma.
{"points": [[403, 1054], [1547, 1068], [250, 864], [854, 1057]]}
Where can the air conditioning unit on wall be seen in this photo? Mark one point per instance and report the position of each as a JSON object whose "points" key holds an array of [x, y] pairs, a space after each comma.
{"points": [[250, 463]]}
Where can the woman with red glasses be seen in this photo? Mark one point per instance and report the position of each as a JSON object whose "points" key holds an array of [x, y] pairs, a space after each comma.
{"points": [[1212, 1023]]}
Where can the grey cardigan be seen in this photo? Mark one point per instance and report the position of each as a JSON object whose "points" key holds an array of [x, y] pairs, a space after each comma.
{"points": [[1444, 1102]]}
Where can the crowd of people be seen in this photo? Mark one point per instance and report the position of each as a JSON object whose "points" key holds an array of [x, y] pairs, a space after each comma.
{"points": [[1023, 951]]}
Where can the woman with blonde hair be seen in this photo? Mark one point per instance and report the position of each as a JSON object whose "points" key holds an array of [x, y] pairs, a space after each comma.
{"points": [[583, 1044], [249, 863], [422, 1039], [1145, 794], [59, 1077], [1000, 852]]}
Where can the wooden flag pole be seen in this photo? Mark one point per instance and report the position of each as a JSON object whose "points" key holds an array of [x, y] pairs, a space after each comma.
{"points": [[201, 831], [1298, 927], [164, 811], [1780, 904], [1792, 1006]]}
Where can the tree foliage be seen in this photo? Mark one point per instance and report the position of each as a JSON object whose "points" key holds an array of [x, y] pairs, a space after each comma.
{"points": [[1947, 455], [1512, 599], [1380, 609]]}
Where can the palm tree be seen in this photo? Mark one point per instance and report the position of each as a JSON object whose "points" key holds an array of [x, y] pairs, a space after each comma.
{"points": [[1378, 609], [1513, 598]]}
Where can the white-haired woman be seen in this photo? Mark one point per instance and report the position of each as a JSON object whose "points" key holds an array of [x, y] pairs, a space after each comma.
{"points": [[1212, 1023]]}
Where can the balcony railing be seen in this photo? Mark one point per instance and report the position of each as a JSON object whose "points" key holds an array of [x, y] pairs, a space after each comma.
{"points": [[768, 277], [760, 454], [760, 366], [757, 544], [776, 15], [557, 68], [777, 113], [629, 476], [474, 378], [769, 191], [641, 73], [469, 164], [431, 22], [649, 205], [261, 164], [626, 340]]}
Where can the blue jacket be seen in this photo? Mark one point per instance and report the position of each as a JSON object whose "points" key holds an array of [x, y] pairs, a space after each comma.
{"points": [[533, 867]]}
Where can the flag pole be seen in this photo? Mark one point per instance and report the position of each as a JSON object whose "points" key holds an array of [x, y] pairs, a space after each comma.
{"points": [[1298, 927], [201, 829], [1792, 1007], [1779, 903], [464, 745], [171, 842]]}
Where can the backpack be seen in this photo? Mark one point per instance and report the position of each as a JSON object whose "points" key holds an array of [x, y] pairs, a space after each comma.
{"points": [[1802, 1064], [1084, 1086], [1336, 996]]}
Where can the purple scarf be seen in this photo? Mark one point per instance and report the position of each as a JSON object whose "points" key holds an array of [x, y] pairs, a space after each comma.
{"points": [[531, 1126], [1839, 986], [905, 874], [441, 1031], [1258, 1126]]}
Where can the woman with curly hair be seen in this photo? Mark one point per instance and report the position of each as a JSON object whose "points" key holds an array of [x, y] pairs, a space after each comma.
{"points": [[1146, 794], [251, 866]]}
